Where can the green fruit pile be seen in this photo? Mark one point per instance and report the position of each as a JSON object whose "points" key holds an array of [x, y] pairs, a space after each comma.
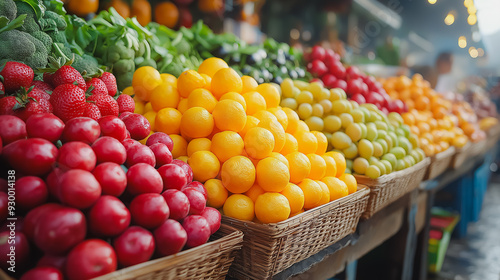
{"points": [[374, 144]]}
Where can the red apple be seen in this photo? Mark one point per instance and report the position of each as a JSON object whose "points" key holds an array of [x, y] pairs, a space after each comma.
{"points": [[160, 137], [178, 203], [111, 177], [135, 245], [197, 201], [197, 186], [162, 154], [213, 217], [197, 229], [173, 176], [149, 210], [170, 238], [108, 216], [186, 168], [140, 153]]}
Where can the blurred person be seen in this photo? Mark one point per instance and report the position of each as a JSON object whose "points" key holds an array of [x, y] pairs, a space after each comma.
{"points": [[446, 81]]}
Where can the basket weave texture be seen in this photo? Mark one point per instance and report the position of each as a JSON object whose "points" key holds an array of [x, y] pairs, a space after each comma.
{"points": [[461, 155], [388, 188], [478, 148], [209, 261], [439, 163], [271, 248]]}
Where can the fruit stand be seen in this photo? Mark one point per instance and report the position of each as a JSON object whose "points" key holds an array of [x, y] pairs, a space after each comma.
{"points": [[132, 149]]}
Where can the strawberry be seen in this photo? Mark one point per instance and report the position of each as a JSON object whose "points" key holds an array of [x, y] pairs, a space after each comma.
{"points": [[126, 103], [16, 75], [68, 101], [2, 90], [47, 78], [38, 94], [7, 105], [42, 86], [92, 111], [110, 82], [106, 104], [99, 86], [68, 75], [32, 107]]}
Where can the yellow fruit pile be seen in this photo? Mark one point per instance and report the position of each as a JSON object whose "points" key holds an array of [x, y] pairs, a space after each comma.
{"points": [[373, 144], [258, 161], [430, 116]]}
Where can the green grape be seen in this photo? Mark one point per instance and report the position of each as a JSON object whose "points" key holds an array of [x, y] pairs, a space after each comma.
{"points": [[388, 166], [378, 151], [381, 166], [400, 165], [399, 152], [364, 130], [332, 123], [300, 84], [383, 143], [305, 97], [381, 125], [348, 163], [405, 144], [287, 88], [360, 165], [351, 152], [340, 106], [327, 105], [340, 140], [391, 158], [289, 103], [357, 115], [371, 133], [315, 123], [305, 111], [317, 110], [354, 131], [373, 172], [365, 148], [346, 119]]}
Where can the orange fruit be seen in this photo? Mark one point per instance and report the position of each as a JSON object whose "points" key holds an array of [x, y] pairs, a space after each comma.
{"points": [[272, 208], [250, 123], [164, 96], [216, 193], [325, 193], [301, 127], [265, 115], [340, 161], [197, 122], [166, 13], [205, 165], [300, 166], [350, 181], [281, 158], [337, 187], [270, 94], [144, 81], [259, 142], [148, 107], [238, 174], [240, 207], [180, 146], [227, 144], [211, 65], [249, 84], [322, 142], [208, 81], [236, 97], [254, 192], [183, 105], [293, 120], [141, 9], [291, 145], [255, 102], [229, 115], [331, 166], [169, 79], [308, 143], [82, 8], [168, 121], [183, 158], [188, 81], [143, 141], [272, 174], [199, 144], [295, 197], [226, 80], [312, 193], [318, 167], [201, 97], [277, 131], [121, 7], [128, 91], [209, 6], [280, 116], [151, 116]]}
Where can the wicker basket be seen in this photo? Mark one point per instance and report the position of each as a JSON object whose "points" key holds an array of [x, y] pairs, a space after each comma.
{"points": [[209, 261], [388, 188], [271, 248], [461, 155], [439, 163], [478, 148]]}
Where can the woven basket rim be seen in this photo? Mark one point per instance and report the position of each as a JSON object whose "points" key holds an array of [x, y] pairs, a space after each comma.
{"points": [[385, 178], [464, 149], [233, 239], [444, 154], [278, 228]]}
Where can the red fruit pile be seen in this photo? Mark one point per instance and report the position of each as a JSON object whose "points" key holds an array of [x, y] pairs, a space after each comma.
{"points": [[90, 199], [325, 64], [64, 93]]}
